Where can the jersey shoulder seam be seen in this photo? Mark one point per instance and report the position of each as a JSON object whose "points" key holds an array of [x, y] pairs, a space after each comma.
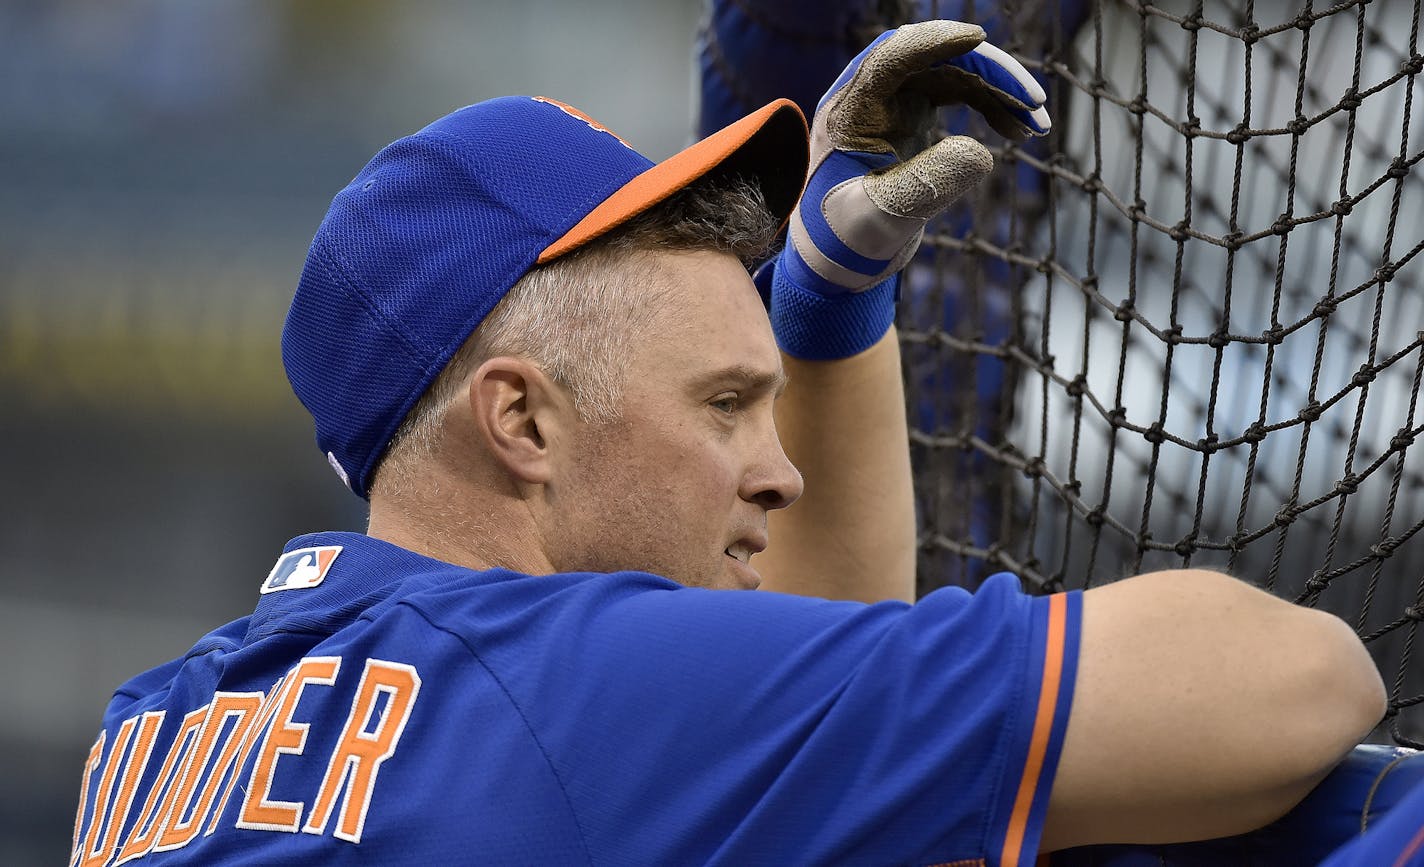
{"points": [[533, 736]]}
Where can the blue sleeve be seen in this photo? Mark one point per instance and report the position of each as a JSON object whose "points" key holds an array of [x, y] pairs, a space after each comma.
{"points": [[1397, 840], [692, 726]]}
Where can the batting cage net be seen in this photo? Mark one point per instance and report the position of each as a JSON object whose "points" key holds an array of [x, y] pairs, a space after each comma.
{"points": [[1184, 329]]}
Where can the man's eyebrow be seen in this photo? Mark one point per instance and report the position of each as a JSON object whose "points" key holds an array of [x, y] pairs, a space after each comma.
{"points": [[745, 376]]}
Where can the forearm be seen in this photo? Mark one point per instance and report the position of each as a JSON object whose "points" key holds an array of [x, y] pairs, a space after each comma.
{"points": [[852, 533], [1203, 707], [1367, 787]]}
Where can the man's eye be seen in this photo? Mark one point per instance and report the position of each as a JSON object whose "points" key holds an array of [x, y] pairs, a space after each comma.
{"points": [[727, 404]]}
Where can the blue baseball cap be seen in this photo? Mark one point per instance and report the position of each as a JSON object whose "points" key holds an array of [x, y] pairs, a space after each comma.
{"points": [[422, 244]]}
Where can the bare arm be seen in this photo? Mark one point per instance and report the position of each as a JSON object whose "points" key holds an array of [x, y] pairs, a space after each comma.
{"points": [[1203, 708], [852, 533]]}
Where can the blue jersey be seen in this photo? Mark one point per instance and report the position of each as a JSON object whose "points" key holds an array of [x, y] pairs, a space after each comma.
{"points": [[1396, 840], [381, 707]]}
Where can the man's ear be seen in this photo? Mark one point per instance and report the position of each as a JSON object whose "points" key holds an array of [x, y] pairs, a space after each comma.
{"points": [[517, 410]]}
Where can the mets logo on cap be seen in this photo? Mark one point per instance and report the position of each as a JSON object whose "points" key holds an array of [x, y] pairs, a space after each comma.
{"points": [[575, 113], [302, 568]]}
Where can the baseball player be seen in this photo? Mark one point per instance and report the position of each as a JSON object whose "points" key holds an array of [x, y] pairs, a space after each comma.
{"points": [[542, 359]]}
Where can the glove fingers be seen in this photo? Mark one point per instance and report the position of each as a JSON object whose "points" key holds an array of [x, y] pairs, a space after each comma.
{"points": [[990, 81], [865, 109], [923, 186], [1004, 74], [911, 48], [949, 85], [1011, 84]]}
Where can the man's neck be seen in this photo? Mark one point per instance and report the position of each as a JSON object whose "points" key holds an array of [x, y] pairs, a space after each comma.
{"points": [[473, 535]]}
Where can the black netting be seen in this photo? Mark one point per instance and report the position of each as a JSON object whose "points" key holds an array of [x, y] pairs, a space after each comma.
{"points": [[1185, 329]]}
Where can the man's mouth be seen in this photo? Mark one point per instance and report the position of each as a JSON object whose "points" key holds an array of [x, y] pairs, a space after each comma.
{"points": [[746, 575]]}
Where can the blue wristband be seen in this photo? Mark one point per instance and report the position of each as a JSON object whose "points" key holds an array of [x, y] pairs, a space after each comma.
{"points": [[817, 327]]}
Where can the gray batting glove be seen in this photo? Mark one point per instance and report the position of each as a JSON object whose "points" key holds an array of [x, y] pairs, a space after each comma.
{"points": [[876, 180]]}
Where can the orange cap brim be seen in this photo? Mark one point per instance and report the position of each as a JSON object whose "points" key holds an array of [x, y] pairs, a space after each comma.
{"points": [[770, 146]]}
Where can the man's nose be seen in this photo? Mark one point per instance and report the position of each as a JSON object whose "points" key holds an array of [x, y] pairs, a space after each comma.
{"points": [[774, 483]]}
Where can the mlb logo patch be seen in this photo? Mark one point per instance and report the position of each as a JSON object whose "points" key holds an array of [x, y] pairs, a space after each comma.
{"points": [[302, 568]]}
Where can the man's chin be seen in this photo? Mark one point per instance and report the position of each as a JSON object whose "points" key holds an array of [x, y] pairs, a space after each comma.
{"points": [[740, 576], [733, 575]]}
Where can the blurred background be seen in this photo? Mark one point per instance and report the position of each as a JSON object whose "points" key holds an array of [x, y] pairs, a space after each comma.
{"points": [[165, 165], [1248, 169]]}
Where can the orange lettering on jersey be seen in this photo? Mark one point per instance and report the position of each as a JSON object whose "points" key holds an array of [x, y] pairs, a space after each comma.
{"points": [[284, 736], [148, 725], [241, 707], [359, 753], [106, 792], [259, 725], [96, 752], [160, 797]]}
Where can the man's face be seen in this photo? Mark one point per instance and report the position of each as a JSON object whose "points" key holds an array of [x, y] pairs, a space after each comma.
{"points": [[681, 485]]}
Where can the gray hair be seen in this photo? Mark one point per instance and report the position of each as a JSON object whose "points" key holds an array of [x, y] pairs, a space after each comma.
{"points": [[573, 316]]}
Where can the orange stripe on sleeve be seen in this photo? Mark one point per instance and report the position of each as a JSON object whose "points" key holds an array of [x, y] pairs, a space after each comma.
{"points": [[1411, 850], [1042, 730]]}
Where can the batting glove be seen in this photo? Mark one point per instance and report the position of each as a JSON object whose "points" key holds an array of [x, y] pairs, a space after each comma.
{"points": [[876, 179]]}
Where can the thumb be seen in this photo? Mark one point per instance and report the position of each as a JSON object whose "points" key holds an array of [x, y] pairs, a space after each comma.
{"points": [[929, 182]]}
